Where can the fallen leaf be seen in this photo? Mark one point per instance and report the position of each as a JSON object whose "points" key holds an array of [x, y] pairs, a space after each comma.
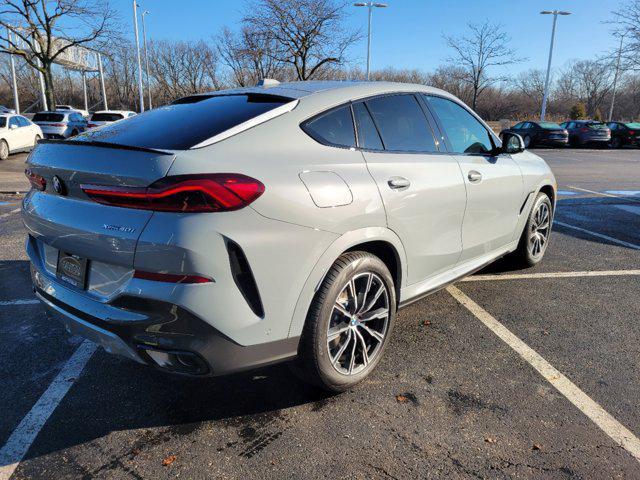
{"points": [[545, 332], [401, 399], [169, 460], [536, 447], [490, 440], [426, 323]]}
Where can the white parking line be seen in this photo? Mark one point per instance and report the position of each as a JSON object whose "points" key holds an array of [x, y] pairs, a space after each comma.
{"points": [[524, 276], [598, 415], [6, 303], [10, 213], [599, 235], [604, 194], [25, 433]]}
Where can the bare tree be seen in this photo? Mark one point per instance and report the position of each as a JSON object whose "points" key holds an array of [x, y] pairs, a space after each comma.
{"points": [[43, 30], [485, 47], [627, 23], [182, 68], [307, 35], [588, 82], [247, 57]]}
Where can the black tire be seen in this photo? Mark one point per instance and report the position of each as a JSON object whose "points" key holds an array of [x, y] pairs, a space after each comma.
{"points": [[314, 363], [615, 142], [526, 254], [4, 150], [74, 133]]}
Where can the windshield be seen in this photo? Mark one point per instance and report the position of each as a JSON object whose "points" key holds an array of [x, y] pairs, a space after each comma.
{"points": [[48, 117], [186, 122], [550, 126], [106, 117], [597, 126]]}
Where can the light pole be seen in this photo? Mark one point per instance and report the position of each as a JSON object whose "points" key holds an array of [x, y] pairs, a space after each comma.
{"points": [[135, 30], [615, 79], [146, 55], [370, 6], [555, 14]]}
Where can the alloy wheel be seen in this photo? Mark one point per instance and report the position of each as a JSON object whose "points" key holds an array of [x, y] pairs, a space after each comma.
{"points": [[358, 324], [539, 230], [4, 150]]}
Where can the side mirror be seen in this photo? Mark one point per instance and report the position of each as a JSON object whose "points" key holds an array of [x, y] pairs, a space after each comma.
{"points": [[512, 143], [13, 127]]}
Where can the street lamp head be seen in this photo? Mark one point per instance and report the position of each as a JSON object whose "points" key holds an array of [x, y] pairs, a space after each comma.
{"points": [[564, 13], [146, 12], [554, 12], [360, 4], [380, 5]]}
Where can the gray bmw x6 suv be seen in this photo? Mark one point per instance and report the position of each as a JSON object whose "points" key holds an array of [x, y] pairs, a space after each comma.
{"points": [[283, 222]]}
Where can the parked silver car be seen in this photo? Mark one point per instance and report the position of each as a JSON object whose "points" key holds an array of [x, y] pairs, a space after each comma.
{"points": [[60, 125], [287, 222]]}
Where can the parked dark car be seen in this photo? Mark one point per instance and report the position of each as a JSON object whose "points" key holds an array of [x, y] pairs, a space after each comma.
{"points": [[540, 133], [624, 134], [587, 132]]}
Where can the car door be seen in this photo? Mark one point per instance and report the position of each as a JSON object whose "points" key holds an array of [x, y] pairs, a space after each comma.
{"points": [[421, 186], [27, 131], [15, 135], [493, 181]]}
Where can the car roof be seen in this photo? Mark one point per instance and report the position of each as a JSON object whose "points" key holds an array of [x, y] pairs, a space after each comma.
{"points": [[302, 89], [113, 111]]}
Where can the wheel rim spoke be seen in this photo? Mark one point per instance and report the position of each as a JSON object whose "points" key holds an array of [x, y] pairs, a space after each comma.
{"points": [[354, 294], [365, 353], [343, 347], [375, 314], [366, 291], [333, 334], [352, 361], [377, 335], [341, 309]]}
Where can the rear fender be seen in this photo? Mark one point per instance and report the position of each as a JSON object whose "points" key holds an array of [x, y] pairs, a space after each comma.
{"points": [[331, 254]]}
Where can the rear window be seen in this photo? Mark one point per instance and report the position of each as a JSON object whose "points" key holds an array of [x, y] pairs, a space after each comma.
{"points": [[186, 122], [597, 126], [334, 128], [402, 124], [48, 117], [106, 117], [550, 126]]}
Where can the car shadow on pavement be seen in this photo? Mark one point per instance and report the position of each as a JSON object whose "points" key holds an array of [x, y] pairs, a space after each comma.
{"points": [[114, 395]]}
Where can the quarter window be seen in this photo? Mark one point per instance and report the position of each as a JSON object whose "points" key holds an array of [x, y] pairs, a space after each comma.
{"points": [[466, 134], [334, 127], [14, 121], [402, 124], [368, 136]]}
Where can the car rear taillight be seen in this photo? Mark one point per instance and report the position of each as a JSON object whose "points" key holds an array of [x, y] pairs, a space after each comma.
{"points": [[170, 277], [584, 129], [37, 181], [217, 192], [91, 125], [631, 132]]}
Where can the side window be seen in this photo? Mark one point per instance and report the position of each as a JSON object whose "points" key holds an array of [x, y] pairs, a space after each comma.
{"points": [[368, 136], [24, 122], [517, 126], [466, 134], [334, 128], [402, 124], [14, 121]]}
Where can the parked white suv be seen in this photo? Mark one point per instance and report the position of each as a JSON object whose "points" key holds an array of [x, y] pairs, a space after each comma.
{"points": [[235, 229], [17, 134], [60, 125], [104, 117]]}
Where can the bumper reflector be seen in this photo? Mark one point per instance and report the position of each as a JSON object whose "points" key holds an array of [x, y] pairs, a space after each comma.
{"points": [[170, 277]]}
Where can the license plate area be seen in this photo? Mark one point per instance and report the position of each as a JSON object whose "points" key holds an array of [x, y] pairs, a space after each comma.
{"points": [[72, 269]]}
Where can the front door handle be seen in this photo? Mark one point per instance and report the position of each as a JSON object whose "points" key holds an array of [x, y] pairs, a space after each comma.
{"points": [[474, 176], [398, 183]]}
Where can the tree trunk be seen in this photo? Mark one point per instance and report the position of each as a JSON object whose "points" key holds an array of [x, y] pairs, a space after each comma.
{"points": [[49, 91]]}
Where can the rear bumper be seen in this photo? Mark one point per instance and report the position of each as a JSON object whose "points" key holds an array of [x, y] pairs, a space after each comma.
{"points": [[553, 141], [153, 332]]}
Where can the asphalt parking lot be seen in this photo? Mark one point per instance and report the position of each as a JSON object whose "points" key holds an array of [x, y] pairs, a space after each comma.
{"points": [[526, 374]]}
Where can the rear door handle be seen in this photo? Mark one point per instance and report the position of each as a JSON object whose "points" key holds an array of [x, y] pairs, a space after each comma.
{"points": [[474, 176], [398, 183]]}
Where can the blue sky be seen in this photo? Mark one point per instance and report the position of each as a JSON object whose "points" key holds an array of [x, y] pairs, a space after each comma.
{"points": [[408, 34]]}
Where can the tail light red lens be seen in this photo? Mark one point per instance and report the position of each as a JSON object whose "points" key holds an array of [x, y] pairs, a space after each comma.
{"points": [[170, 277], [584, 129], [218, 192], [37, 181]]}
